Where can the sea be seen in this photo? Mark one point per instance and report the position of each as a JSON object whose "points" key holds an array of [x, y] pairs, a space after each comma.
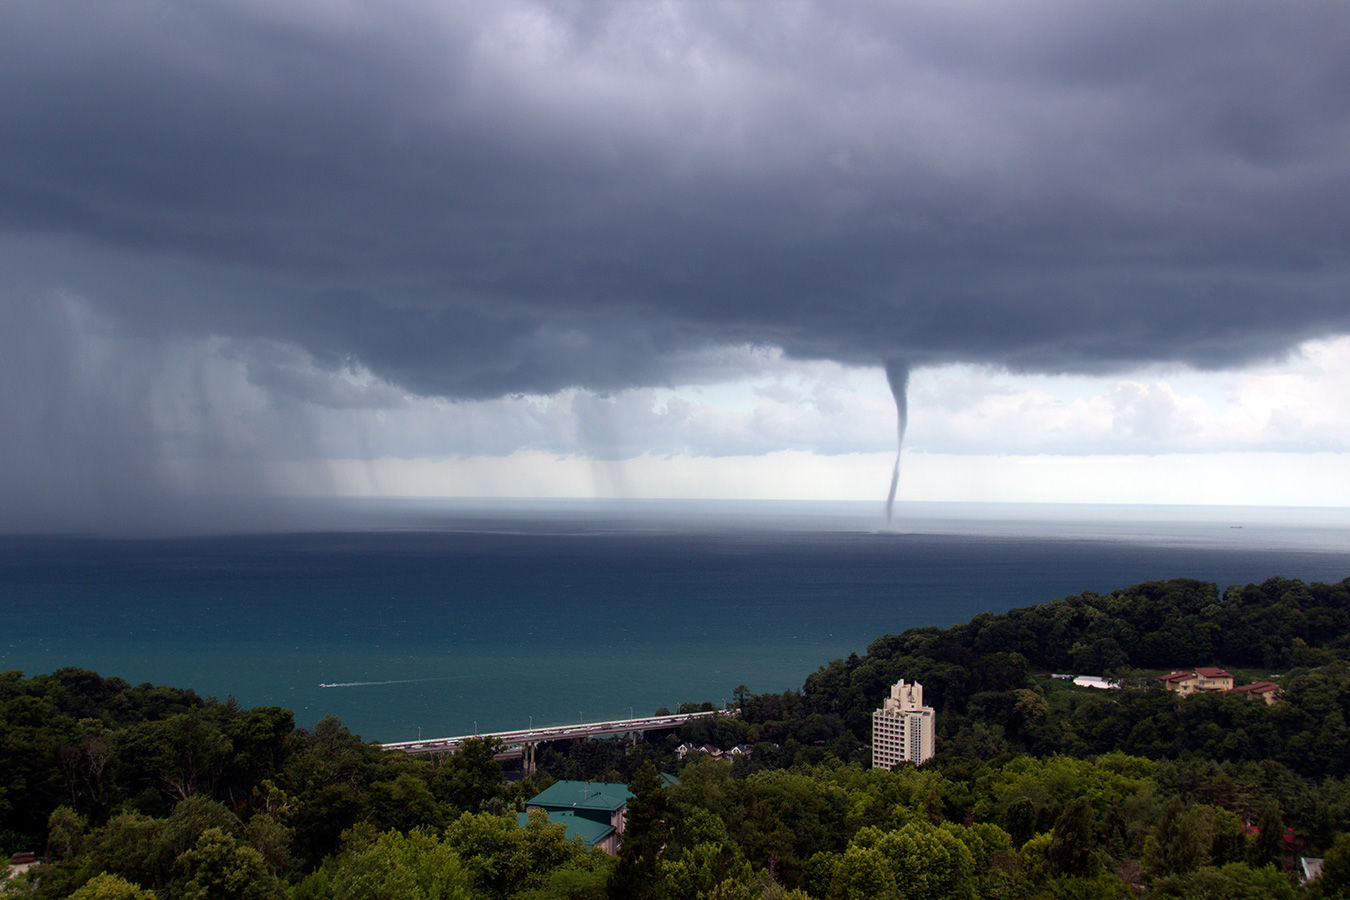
{"points": [[424, 619]]}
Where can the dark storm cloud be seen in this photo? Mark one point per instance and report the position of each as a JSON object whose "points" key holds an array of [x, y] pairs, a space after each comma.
{"points": [[503, 197]]}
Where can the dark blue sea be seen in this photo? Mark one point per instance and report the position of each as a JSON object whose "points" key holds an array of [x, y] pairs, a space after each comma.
{"points": [[438, 619]]}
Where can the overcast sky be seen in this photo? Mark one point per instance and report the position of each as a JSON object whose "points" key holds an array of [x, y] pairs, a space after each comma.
{"points": [[254, 249]]}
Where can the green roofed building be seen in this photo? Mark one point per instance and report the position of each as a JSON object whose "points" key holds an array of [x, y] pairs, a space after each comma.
{"points": [[592, 834], [580, 805]]}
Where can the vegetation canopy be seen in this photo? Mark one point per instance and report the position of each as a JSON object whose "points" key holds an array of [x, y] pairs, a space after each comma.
{"points": [[1040, 788]]}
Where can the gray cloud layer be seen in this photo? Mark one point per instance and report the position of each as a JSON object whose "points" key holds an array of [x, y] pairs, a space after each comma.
{"points": [[509, 197], [471, 200]]}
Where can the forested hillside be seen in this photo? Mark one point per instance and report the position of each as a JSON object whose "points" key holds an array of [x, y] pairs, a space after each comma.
{"points": [[1040, 789], [978, 676]]}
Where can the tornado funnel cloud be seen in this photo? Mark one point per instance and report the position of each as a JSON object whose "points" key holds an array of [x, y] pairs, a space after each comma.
{"points": [[897, 376]]}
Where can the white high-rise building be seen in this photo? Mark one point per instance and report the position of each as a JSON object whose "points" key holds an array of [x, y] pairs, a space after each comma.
{"points": [[902, 730]]}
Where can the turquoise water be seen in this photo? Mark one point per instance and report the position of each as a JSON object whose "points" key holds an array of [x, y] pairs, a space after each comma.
{"points": [[447, 619]]}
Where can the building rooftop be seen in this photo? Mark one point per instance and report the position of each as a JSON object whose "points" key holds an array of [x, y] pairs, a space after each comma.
{"points": [[597, 795], [1096, 681], [588, 831]]}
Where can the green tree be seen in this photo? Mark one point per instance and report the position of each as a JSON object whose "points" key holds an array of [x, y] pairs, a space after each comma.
{"points": [[1033, 858], [1335, 880], [1268, 847], [702, 870], [66, 830], [929, 862], [260, 744], [84, 764], [404, 803], [1234, 881], [991, 850], [394, 866], [186, 753], [581, 881], [862, 873], [134, 846], [471, 777], [788, 816], [1102, 886], [111, 887], [221, 868], [1180, 841], [272, 839], [646, 831], [1020, 820], [503, 858], [323, 813], [191, 818], [1073, 841], [328, 774]]}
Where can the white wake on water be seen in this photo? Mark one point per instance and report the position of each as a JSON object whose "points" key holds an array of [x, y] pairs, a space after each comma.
{"points": [[347, 684]]}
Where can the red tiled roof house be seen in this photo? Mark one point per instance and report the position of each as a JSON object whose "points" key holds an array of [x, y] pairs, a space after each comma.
{"points": [[1204, 678], [1268, 691]]}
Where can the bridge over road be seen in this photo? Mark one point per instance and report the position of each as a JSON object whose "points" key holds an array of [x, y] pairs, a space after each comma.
{"points": [[523, 741]]}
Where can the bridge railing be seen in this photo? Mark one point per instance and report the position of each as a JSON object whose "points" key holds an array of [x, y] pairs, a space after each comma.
{"points": [[559, 732]]}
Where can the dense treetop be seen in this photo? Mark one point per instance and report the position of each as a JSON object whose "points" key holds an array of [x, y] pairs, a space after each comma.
{"points": [[1040, 789]]}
